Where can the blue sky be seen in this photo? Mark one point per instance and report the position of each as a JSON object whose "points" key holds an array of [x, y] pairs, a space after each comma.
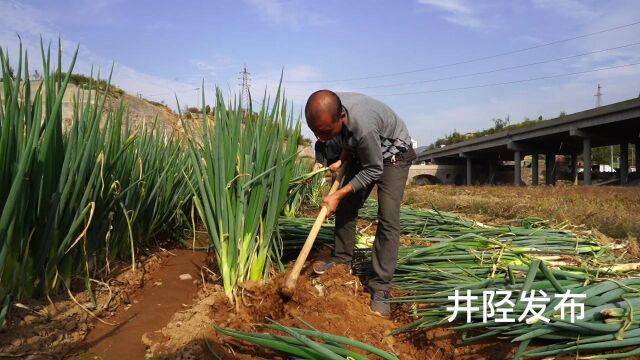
{"points": [[161, 48]]}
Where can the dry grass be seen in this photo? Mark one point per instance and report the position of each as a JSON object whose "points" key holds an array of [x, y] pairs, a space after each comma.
{"points": [[613, 211]]}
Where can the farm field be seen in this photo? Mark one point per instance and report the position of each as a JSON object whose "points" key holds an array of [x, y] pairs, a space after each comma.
{"points": [[335, 302], [120, 242], [612, 211]]}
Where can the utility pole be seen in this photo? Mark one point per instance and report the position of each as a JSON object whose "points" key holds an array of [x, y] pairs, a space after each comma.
{"points": [[598, 96], [245, 84]]}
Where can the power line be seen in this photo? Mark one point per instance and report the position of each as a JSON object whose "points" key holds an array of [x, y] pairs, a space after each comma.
{"points": [[510, 82], [511, 52], [494, 70]]}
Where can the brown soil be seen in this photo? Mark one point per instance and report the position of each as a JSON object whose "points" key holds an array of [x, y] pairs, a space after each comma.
{"points": [[150, 308], [335, 302], [37, 329], [157, 316]]}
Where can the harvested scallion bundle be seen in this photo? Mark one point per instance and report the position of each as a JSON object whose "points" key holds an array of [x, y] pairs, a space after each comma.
{"points": [[419, 222], [479, 259], [304, 187], [300, 343], [293, 232], [605, 323], [449, 253]]}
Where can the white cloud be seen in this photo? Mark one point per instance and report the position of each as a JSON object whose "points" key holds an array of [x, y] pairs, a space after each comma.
{"points": [[92, 13], [154, 87], [16, 17], [548, 98], [611, 18], [30, 23], [458, 12], [531, 39], [297, 80], [290, 13], [625, 13], [301, 72], [214, 65], [205, 66], [573, 95], [567, 8]]}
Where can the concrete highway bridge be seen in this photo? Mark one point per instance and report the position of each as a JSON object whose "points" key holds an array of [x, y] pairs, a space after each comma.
{"points": [[571, 135]]}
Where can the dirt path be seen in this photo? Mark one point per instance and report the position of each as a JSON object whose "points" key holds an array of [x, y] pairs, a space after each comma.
{"points": [[151, 308]]}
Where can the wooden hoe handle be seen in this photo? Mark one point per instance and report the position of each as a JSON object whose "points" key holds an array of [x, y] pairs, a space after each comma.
{"points": [[292, 279]]}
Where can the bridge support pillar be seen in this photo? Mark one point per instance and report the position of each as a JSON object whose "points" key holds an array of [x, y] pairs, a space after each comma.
{"points": [[469, 167], [586, 155], [624, 163], [550, 165], [574, 168], [637, 157], [493, 165], [535, 173], [517, 168]]}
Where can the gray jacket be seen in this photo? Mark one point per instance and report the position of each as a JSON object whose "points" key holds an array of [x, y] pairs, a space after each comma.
{"points": [[371, 129]]}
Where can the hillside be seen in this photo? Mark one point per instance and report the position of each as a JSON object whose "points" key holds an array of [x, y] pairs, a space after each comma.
{"points": [[141, 111]]}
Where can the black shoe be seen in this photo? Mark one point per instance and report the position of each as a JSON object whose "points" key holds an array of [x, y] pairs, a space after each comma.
{"points": [[380, 303], [321, 267]]}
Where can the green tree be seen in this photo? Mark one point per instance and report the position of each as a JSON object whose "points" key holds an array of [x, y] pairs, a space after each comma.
{"points": [[498, 126]]}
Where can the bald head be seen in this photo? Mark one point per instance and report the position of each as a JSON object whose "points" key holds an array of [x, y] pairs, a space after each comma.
{"points": [[324, 114], [323, 103]]}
